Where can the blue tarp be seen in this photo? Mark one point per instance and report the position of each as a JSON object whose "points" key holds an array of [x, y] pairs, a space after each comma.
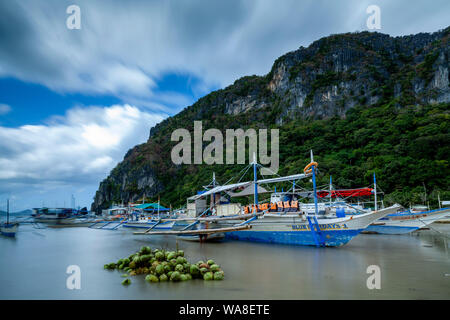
{"points": [[151, 206]]}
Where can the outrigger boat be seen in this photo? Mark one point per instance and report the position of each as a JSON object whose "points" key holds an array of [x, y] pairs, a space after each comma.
{"points": [[62, 217], [291, 226], [407, 221], [8, 228], [402, 222], [148, 215]]}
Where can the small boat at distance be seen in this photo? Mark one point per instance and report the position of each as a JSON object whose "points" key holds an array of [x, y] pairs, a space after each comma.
{"points": [[8, 229]]}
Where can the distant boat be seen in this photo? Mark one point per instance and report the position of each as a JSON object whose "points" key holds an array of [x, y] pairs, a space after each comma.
{"points": [[7, 228], [149, 223], [407, 221], [61, 217]]}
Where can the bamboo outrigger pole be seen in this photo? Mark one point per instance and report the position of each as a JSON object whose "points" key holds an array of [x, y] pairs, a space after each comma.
{"points": [[375, 190], [199, 231], [255, 179]]}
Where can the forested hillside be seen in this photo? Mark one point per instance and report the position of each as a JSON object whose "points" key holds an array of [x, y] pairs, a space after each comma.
{"points": [[364, 102]]}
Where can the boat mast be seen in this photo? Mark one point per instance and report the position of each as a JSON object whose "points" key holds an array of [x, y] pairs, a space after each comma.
{"points": [[314, 184], [7, 211], [439, 201], [375, 190], [214, 185], [331, 187], [255, 179]]}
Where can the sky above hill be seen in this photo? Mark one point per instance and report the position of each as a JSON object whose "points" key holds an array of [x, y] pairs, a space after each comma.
{"points": [[73, 101]]}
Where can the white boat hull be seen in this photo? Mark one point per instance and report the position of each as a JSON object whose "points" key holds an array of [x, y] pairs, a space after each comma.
{"points": [[403, 223]]}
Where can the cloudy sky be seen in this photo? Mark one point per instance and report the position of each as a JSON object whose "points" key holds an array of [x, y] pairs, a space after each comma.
{"points": [[72, 102]]}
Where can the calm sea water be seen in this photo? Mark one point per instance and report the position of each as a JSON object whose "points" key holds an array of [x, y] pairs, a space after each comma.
{"points": [[417, 266]]}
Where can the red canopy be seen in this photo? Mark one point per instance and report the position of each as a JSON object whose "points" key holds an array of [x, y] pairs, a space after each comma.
{"points": [[344, 193]]}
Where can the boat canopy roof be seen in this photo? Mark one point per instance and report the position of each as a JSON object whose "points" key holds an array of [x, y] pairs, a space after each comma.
{"points": [[151, 206], [248, 191], [234, 186], [345, 193]]}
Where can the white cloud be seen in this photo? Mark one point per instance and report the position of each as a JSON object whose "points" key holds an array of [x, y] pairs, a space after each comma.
{"points": [[4, 109], [81, 147], [123, 48]]}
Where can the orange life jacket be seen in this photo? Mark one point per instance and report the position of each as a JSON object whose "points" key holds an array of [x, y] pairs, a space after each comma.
{"points": [[280, 206], [294, 204], [286, 205]]}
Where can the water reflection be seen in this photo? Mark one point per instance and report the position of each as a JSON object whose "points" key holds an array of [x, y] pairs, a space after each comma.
{"points": [[412, 267]]}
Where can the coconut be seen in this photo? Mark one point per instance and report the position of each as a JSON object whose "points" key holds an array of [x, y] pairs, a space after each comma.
{"points": [[188, 276], [180, 253], [200, 263], [126, 282], [179, 268], [159, 256], [169, 274], [183, 277], [219, 275], [159, 269], [187, 267], [208, 276], [167, 268], [215, 268], [204, 265], [152, 278], [180, 260], [171, 255], [173, 262], [194, 270], [132, 265], [210, 262], [175, 276], [203, 271], [163, 277]]}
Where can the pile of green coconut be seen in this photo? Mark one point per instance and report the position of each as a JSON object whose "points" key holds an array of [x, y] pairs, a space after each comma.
{"points": [[162, 265]]}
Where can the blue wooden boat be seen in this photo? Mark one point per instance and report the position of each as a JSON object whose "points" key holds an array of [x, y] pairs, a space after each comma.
{"points": [[287, 227]]}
